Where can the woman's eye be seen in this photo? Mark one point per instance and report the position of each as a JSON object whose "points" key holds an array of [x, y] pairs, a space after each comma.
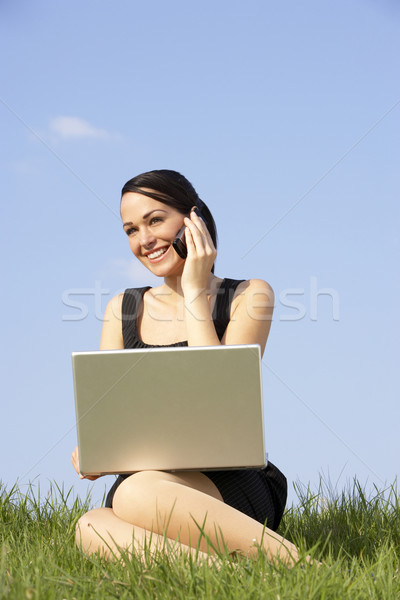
{"points": [[133, 230]]}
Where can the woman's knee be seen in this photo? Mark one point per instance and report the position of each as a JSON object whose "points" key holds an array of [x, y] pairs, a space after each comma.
{"points": [[138, 487], [85, 529], [149, 498], [137, 495]]}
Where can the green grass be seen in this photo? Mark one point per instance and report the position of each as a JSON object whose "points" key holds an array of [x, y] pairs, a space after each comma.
{"points": [[357, 538]]}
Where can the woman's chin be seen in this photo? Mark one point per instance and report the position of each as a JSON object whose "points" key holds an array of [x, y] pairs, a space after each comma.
{"points": [[166, 270]]}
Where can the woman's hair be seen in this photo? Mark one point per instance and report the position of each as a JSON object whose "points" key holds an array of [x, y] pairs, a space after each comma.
{"points": [[173, 189]]}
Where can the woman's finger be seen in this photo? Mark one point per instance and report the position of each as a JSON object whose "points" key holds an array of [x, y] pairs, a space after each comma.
{"points": [[201, 225], [195, 238], [75, 461], [201, 235]]}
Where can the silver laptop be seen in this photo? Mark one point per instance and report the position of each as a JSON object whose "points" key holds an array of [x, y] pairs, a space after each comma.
{"points": [[169, 409]]}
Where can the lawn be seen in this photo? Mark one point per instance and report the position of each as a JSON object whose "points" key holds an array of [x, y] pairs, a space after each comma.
{"points": [[357, 538]]}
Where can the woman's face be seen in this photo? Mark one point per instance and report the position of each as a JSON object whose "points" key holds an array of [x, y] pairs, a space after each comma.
{"points": [[151, 227]]}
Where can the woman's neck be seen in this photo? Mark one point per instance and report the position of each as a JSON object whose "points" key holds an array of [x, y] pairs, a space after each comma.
{"points": [[173, 285]]}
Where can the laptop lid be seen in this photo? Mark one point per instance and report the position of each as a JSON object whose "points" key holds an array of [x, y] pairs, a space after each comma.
{"points": [[169, 409]]}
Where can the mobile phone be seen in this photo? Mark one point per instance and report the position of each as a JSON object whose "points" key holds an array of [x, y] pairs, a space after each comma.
{"points": [[179, 243]]}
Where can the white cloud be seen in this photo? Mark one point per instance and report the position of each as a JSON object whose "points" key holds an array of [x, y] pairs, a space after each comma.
{"points": [[74, 128]]}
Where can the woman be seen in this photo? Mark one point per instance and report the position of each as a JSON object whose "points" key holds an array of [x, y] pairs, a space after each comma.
{"points": [[192, 304]]}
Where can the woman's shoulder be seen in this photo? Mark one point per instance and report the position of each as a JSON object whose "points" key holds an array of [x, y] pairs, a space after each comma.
{"points": [[114, 307], [111, 334], [251, 314], [253, 293], [254, 286]]}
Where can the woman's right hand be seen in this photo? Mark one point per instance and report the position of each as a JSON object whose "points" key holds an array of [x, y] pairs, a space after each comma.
{"points": [[75, 462], [200, 257]]}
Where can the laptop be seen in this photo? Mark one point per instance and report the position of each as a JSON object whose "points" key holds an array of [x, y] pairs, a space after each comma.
{"points": [[169, 409]]}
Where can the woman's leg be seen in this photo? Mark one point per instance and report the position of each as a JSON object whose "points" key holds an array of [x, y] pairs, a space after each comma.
{"points": [[178, 505], [100, 530]]}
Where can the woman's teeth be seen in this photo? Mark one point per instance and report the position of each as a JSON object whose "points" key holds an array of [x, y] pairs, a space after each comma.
{"points": [[157, 253]]}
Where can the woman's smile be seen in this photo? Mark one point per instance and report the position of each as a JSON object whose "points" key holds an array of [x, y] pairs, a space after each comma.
{"points": [[158, 255]]}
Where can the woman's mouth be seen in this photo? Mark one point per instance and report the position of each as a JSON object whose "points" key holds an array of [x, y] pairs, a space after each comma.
{"points": [[158, 255]]}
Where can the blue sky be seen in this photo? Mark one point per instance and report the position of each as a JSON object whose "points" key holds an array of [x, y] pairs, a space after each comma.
{"points": [[285, 117]]}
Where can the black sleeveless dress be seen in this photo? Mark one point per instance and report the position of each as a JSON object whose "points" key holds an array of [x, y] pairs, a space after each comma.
{"points": [[260, 494]]}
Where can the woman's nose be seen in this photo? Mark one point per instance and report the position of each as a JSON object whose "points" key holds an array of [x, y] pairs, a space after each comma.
{"points": [[146, 238]]}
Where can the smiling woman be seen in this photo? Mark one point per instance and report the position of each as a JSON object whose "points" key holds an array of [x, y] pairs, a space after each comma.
{"points": [[150, 231], [192, 307]]}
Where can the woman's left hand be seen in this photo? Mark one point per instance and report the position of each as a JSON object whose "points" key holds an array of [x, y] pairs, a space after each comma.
{"points": [[75, 462], [201, 255]]}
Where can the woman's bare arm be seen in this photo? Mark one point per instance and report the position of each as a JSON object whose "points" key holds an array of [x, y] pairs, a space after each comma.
{"points": [[111, 334], [251, 314]]}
